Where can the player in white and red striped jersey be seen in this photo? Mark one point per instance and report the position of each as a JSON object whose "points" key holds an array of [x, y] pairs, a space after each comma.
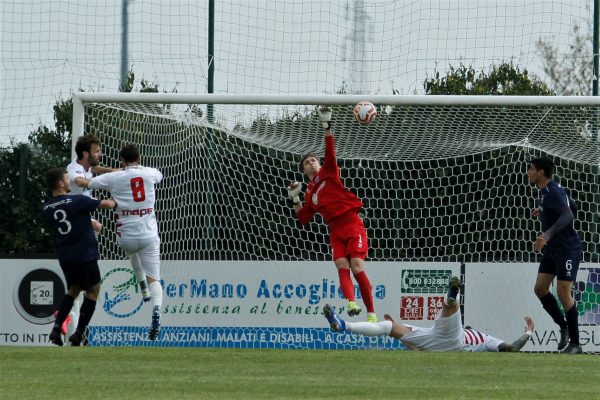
{"points": [[446, 334], [80, 171], [133, 188]]}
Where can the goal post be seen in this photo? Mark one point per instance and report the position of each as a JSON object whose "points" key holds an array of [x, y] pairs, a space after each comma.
{"points": [[443, 178]]}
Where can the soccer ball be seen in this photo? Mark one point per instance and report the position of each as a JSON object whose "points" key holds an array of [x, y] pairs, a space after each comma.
{"points": [[364, 112]]}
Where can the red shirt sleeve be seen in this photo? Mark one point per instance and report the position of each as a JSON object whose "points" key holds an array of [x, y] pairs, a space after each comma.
{"points": [[330, 161], [306, 214]]}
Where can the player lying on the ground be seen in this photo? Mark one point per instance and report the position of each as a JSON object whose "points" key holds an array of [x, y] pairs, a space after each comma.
{"points": [[446, 334]]}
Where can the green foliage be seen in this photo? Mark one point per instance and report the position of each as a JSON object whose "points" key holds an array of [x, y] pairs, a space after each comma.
{"points": [[22, 185], [504, 79], [22, 173]]}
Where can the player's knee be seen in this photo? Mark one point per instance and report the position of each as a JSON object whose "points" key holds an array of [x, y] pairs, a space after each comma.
{"points": [[564, 294], [73, 291], [342, 263], [357, 265], [93, 292], [540, 291]]}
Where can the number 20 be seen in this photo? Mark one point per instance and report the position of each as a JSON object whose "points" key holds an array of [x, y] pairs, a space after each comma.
{"points": [[137, 189]]}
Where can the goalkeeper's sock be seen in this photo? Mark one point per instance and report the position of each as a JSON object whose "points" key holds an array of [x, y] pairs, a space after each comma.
{"points": [[551, 306], [63, 310], [156, 292], [85, 314], [346, 283], [369, 328], [365, 290], [573, 324]]}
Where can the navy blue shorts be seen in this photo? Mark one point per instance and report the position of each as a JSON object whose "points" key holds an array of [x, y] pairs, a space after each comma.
{"points": [[563, 264], [85, 274]]}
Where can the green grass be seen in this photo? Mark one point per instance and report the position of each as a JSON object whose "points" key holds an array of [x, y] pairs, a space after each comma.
{"points": [[191, 373]]}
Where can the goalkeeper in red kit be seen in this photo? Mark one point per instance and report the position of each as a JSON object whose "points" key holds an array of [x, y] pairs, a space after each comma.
{"points": [[339, 207]]}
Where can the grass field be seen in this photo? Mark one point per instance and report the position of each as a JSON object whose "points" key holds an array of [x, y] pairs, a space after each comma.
{"points": [[193, 373]]}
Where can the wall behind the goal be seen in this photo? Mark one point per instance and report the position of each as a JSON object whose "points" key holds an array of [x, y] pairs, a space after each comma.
{"points": [[279, 304]]}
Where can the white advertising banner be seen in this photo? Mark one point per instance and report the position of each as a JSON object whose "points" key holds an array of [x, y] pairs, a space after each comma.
{"points": [[228, 304], [32, 290], [498, 296]]}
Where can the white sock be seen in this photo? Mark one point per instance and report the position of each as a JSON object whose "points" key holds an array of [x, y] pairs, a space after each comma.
{"points": [[156, 293], [382, 328], [137, 268]]}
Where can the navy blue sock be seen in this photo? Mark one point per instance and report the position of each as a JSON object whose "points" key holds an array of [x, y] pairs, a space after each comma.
{"points": [[551, 306], [85, 314], [573, 323], [64, 308], [453, 293]]}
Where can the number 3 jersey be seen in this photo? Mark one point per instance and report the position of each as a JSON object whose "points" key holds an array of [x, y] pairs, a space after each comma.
{"points": [[134, 191], [68, 219]]}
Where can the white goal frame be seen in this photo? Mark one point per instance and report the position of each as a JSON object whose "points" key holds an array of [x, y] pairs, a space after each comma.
{"points": [[81, 98]]}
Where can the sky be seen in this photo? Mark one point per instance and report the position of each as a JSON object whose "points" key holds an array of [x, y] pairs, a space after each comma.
{"points": [[50, 49]]}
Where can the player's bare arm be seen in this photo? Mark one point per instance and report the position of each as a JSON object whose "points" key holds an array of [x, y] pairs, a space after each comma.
{"points": [[110, 203], [82, 182], [521, 341], [99, 170], [398, 330], [539, 243]]}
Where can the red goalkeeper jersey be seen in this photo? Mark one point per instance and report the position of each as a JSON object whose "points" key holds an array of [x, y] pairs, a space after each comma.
{"points": [[327, 195]]}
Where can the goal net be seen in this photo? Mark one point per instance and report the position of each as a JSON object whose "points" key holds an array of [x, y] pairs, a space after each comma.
{"points": [[443, 178], [295, 46]]}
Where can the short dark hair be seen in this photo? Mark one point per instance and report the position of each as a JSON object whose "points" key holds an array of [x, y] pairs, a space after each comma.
{"points": [[84, 143], [544, 163], [54, 176], [304, 157], [129, 153]]}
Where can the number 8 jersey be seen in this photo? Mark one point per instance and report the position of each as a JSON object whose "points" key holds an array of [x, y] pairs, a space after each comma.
{"points": [[134, 191]]}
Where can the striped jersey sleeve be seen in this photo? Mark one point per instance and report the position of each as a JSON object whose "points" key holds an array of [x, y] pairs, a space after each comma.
{"points": [[479, 342]]}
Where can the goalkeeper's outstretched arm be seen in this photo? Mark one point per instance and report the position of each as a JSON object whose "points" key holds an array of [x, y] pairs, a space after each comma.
{"points": [[325, 117], [520, 342]]}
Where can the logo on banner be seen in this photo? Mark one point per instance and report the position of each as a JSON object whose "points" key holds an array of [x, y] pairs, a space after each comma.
{"points": [[434, 306], [37, 294], [425, 280], [120, 293], [411, 307], [586, 293]]}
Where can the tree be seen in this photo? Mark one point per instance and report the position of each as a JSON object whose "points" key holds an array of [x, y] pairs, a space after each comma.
{"points": [[471, 230], [22, 184], [503, 79], [22, 179], [570, 73]]}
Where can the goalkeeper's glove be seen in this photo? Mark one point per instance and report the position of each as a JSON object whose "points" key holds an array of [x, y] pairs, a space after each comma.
{"points": [[294, 192], [325, 116]]}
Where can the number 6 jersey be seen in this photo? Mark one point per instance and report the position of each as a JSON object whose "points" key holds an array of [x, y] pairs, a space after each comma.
{"points": [[133, 190]]}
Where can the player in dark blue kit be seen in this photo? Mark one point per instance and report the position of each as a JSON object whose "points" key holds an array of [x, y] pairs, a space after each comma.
{"points": [[562, 252], [69, 220]]}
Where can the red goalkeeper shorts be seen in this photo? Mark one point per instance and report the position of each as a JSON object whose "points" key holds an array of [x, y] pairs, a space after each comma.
{"points": [[349, 240]]}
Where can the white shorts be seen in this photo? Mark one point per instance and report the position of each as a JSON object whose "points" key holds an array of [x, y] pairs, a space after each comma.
{"points": [[446, 334], [144, 254]]}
